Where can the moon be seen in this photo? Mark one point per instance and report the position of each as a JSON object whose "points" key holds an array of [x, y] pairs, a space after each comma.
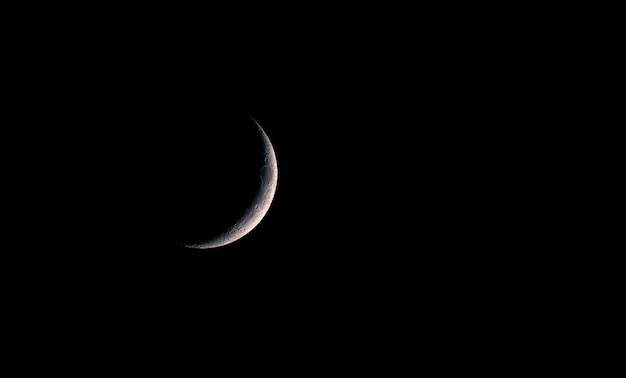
{"points": [[259, 206]]}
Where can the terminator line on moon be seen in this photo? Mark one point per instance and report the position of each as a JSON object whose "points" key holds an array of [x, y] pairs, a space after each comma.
{"points": [[258, 207]]}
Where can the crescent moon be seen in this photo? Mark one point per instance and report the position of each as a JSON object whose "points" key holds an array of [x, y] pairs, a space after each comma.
{"points": [[259, 206]]}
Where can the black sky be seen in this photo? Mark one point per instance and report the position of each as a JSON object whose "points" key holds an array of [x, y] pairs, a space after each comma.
{"points": [[142, 134], [381, 141], [406, 206]]}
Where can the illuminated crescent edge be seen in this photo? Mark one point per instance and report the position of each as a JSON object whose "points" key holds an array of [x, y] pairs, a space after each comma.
{"points": [[258, 208]]}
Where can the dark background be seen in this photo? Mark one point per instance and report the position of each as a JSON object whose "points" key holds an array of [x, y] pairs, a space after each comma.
{"points": [[399, 182], [124, 140], [416, 216]]}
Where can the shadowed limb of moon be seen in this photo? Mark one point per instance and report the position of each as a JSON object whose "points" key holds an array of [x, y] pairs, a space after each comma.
{"points": [[259, 205]]}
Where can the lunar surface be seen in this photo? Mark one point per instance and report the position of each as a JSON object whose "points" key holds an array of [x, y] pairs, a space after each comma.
{"points": [[258, 207]]}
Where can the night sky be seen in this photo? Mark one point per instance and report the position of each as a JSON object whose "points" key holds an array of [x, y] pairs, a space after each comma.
{"points": [[408, 204], [149, 153], [143, 142]]}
